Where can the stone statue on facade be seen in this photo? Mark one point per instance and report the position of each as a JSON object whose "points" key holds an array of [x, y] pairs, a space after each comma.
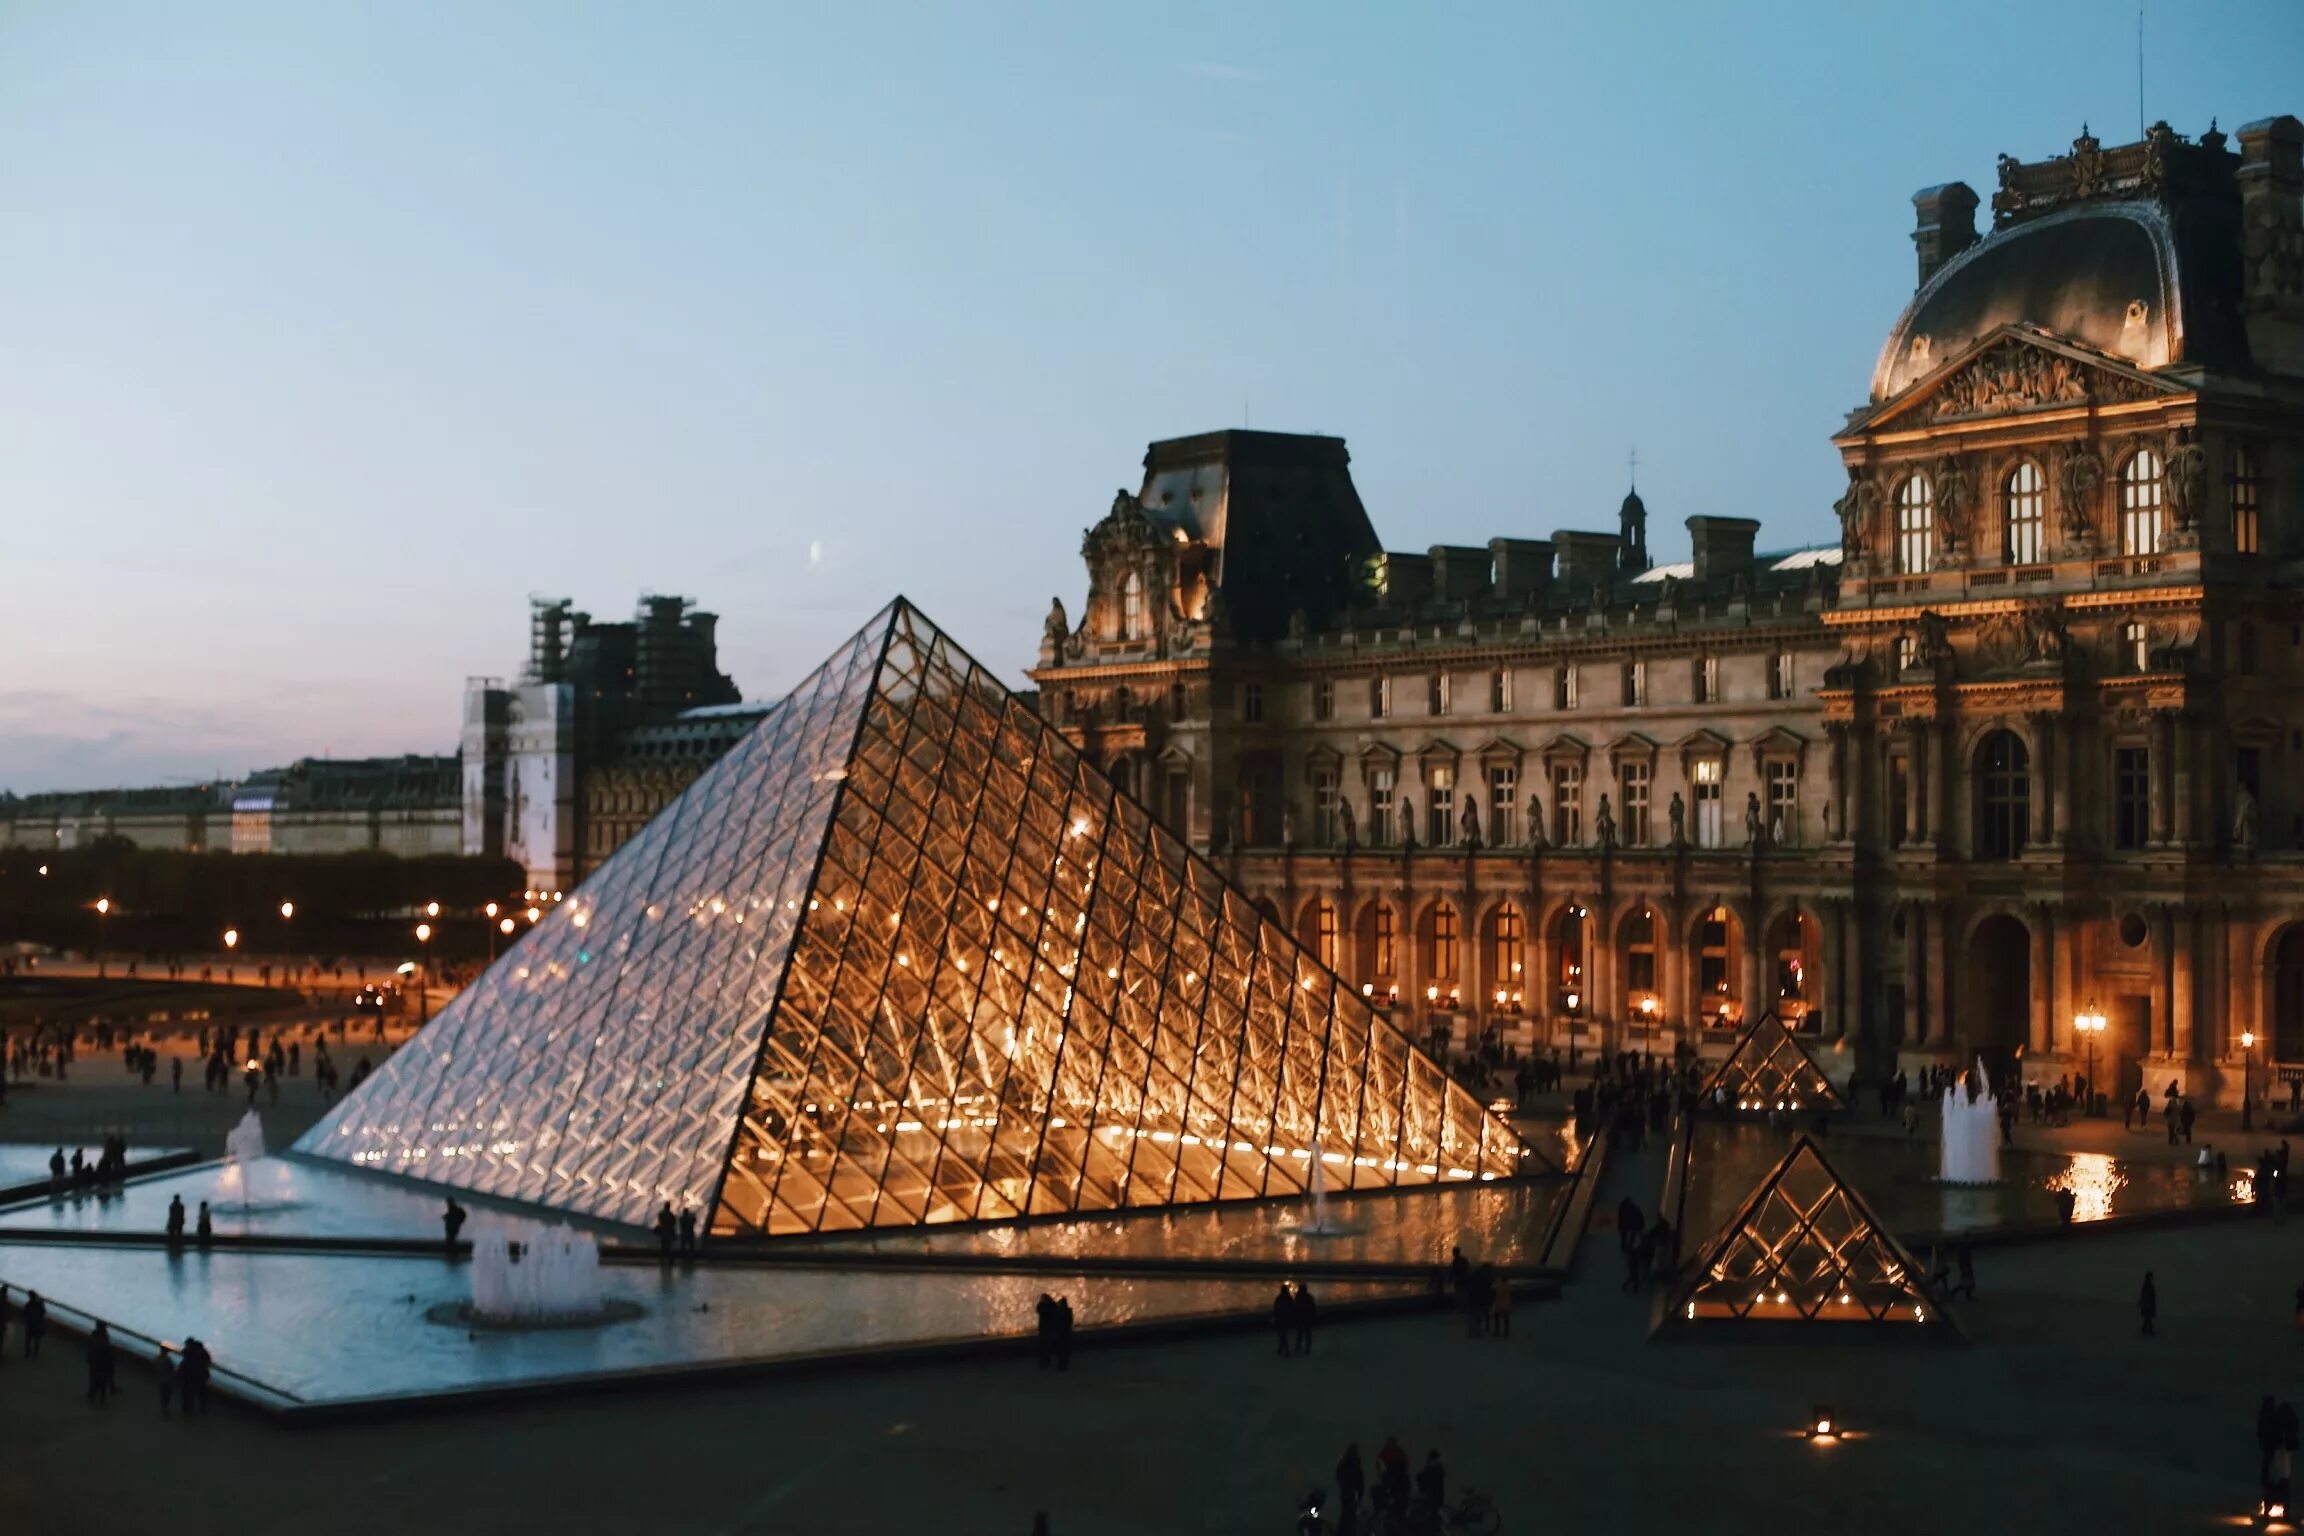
{"points": [[1058, 625], [1469, 833], [1346, 821], [1856, 507], [2244, 820], [1287, 823], [1676, 817], [1754, 832], [2078, 474], [1407, 823], [1535, 821], [1604, 824], [2187, 479], [1955, 489]]}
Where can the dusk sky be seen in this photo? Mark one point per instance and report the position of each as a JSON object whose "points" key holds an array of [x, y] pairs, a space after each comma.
{"points": [[332, 332]]}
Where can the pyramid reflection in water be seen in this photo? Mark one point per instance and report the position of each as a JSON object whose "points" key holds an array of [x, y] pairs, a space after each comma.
{"points": [[904, 957]]}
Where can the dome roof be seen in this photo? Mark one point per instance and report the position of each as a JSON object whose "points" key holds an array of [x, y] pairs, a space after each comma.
{"points": [[2144, 281]]}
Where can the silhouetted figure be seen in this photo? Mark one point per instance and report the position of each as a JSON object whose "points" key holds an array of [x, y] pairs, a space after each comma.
{"points": [[205, 1227], [1063, 1333], [1459, 1270], [3, 1322], [164, 1370], [2148, 1302], [192, 1376], [1967, 1262], [1283, 1317], [1044, 1310], [452, 1218], [1392, 1476], [103, 1367], [1307, 1313], [1432, 1482], [688, 1233], [667, 1228], [35, 1324], [175, 1220], [1351, 1486]]}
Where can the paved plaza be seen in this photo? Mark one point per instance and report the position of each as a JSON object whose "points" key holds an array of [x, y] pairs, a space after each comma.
{"points": [[2057, 1416]]}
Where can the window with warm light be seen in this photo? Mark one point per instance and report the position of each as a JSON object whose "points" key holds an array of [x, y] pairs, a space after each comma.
{"points": [[1324, 933], [1132, 607], [1500, 691], [1507, 945], [1503, 803], [1439, 693], [1379, 698], [1440, 788], [1915, 526], [1707, 683], [2247, 490], [1440, 959], [1709, 787], [1380, 788], [1564, 687], [2143, 493], [2023, 515], [1715, 967]]}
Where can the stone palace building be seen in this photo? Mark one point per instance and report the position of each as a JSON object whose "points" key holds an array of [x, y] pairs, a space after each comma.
{"points": [[2023, 750]]}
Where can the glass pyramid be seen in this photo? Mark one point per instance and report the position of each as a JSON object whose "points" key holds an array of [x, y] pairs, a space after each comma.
{"points": [[1770, 1069], [904, 957], [1804, 1247]]}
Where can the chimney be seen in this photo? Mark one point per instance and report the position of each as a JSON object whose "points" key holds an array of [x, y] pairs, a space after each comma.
{"points": [[1723, 545], [1947, 224], [1586, 559], [1460, 571], [1407, 580], [1523, 567], [2271, 179]]}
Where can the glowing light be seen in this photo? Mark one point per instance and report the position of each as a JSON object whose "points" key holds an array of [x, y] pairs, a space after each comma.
{"points": [[103, 905], [287, 909], [423, 933], [507, 925], [431, 909], [231, 938]]}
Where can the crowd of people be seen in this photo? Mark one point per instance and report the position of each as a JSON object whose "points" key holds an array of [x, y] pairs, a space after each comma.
{"points": [[181, 1374], [1395, 1495]]}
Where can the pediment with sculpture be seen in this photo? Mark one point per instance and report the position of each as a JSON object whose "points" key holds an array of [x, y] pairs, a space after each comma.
{"points": [[2012, 370]]}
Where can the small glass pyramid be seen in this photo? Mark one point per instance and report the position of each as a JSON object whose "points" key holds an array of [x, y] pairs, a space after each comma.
{"points": [[1770, 1069], [1804, 1247], [904, 957]]}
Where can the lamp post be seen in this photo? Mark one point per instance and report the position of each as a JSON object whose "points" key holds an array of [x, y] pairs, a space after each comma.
{"points": [[491, 909], [2089, 1022], [424, 973], [2247, 1079], [103, 910]]}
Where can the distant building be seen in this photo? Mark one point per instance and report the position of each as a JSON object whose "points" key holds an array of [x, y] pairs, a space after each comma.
{"points": [[608, 722], [2024, 748], [192, 817], [400, 805]]}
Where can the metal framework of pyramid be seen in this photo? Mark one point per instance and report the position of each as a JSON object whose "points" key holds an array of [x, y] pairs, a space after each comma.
{"points": [[1803, 1248], [903, 956], [1770, 1069]]}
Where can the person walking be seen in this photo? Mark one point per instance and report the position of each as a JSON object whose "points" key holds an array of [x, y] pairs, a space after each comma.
{"points": [[1044, 1311], [1284, 1317], [175, 1220], [667, 1227], [205, 1227], [35, 1324], [1307, 1313], [1459, 1271], [1432, 1483], [1351, 1488], [688, 1232], [102, 1366], [1064, 1333], [164, 1369], [2148, 1302], [2185, 1115], [451, 1222], [192, 1376], [1967, 1262]]}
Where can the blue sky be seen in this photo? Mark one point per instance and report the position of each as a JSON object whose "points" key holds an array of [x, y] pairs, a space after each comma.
{"points": [[329, 332]]}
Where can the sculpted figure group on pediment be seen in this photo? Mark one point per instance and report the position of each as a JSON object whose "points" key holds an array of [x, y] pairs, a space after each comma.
{"points": [[2016, 377]]}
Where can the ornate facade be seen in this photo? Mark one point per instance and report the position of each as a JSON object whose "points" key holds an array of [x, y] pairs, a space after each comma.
{"points": [[2023, 748]]}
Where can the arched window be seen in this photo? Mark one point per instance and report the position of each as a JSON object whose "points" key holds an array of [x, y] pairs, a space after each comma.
{"points": [[2143, 489], [2003, 795], [1506, 936], [1568, 941], [1915, 526], [1132, 607], [1379, 964], [2024, 515], [1440, 953]]}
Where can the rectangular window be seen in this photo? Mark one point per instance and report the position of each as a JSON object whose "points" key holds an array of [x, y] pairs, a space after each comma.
{"points": [[1503, 803], [1379, 807], [1252, 703], [1780, 675], [2247, 501], [1379, 698], [1907, 654], [1635, 684], [1500, 691], [1564, 688], [1899, 799], [1568, 804], [1783, 804], [1324, 832], [1632, 780], [2135, 646], [1439, 693], [1708, 787], [1384, 943], [1324, 699], [2026, 520], [1440, 786], [1708, 680]]}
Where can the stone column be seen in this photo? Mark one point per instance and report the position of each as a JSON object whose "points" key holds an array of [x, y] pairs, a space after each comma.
{"points": [[1915, 976], [1672, 968], [1947, 776], [2163, 779], [2184, 984], [1938, 1003], [2184, 733], [2045, 815], [2163, 990], [1837, 792], [2043, 1032], [1837, 991], [1757, 998], [1921, 783]]}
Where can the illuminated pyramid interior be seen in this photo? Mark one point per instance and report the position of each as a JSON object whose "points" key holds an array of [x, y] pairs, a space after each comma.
{"points": [[1803, 1248], [904, 957], [1770, 1069]]}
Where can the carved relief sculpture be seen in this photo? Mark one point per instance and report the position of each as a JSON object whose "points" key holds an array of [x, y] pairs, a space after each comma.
{"points": [[1752, 827], [1058, 625], [1535, 822], [1857, 506], [1604, 824], [1678, 817], [1346, 820], [2244, 820], [1469, 833], [1955, 499], [2079, 474], [2187, 470]]}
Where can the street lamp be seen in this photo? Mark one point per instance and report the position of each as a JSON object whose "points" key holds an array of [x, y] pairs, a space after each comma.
{"points": [[231, 938], [287, 910], [2090, 1023], [2248, 1080], [103, 910], [424, 974]]}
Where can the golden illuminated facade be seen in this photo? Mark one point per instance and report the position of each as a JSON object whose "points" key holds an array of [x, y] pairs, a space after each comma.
{"points": [[902, 957], [2024, 743]]}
